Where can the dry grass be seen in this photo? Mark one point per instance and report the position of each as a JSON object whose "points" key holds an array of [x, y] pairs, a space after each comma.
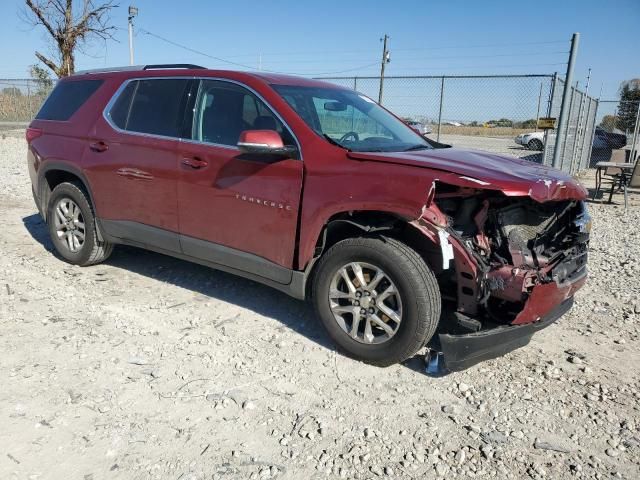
{"points": [[19, 108], [481, 131]]}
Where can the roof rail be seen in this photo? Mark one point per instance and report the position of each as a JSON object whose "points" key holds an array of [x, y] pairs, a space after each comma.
{"points": [[131, 68], [111, 69], [165, 66]]}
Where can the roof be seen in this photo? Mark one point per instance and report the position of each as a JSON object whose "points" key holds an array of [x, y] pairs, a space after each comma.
{"points": [[198, 71], [281, 79]]}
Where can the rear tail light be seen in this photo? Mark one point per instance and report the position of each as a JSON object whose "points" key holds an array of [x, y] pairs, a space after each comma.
{"points": [[32, 133]]}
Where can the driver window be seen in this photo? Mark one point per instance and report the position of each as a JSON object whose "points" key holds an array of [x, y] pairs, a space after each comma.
{"points": [[224, 110]]}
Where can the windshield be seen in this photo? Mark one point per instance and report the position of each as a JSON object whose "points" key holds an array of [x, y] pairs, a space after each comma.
{"points": [[350, 120]]}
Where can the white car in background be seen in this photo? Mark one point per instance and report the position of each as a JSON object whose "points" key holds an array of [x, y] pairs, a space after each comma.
{"points": [[602, 139], [532, 141], [419, 127]]}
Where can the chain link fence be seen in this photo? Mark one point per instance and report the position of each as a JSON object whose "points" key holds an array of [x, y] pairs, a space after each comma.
{"points": [[616, 121], [479, 112], [20, 100], [576, 139], [488, 112]]}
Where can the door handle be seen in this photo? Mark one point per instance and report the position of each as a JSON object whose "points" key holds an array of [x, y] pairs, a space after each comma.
{"points": [[194, 162], [99, 146]]}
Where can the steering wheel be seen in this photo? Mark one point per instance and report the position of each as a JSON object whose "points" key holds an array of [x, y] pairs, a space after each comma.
{"points": [[349, 134]]}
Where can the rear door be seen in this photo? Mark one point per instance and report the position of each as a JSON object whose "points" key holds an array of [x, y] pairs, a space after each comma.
{"points": [[242, 203], [132, 161]]}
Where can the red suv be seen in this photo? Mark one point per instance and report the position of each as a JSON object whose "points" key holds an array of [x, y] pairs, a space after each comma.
{"points": [[317, 191]]}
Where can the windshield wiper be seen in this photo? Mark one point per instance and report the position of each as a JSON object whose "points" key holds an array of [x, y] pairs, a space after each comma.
{"points": [[416, 147], [333, 142]]}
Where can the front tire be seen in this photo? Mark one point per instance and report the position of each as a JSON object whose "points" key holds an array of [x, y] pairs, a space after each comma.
{"points": [[535, 144], [72, 226], [377, 299]]}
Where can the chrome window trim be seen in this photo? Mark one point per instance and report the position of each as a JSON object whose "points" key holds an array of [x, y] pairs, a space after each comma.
{"points": [[118, 92]]}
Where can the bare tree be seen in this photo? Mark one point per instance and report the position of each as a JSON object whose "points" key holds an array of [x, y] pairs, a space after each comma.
{"points": [[69, 28]]}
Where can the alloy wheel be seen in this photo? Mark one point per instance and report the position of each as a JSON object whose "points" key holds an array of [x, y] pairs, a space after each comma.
{"points": [[69, 224], [365, 303]]}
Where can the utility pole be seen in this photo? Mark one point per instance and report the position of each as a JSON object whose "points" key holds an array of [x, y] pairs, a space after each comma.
{"points": [[538, 112], [564, 106], [385, 59], [133, 12]]}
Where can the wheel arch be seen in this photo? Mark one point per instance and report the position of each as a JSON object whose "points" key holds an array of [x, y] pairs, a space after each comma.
{"points": [[52, 174], [343, 225]]}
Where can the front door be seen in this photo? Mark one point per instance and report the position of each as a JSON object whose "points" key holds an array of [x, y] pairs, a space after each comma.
{"points": [[132, 162], [236, 209]]}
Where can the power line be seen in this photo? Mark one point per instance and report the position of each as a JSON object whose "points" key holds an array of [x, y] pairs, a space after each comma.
{"points": [[486, 66], [361, 67], [515, 44], [222, 60], [436, 57], [355, 52]]}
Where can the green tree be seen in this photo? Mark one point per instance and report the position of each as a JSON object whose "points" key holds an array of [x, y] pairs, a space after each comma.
{"points": [[503, 122], [608, 123], [629, 104], [42, 78], [531, 123]]}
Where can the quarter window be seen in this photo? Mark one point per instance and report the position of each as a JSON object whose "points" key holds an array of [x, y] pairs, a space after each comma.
{"points": [[223, 110], [67, 98]]}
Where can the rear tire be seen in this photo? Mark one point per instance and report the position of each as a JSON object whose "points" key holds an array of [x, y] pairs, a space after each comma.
{"points": [[72, 226], [417, 303]]}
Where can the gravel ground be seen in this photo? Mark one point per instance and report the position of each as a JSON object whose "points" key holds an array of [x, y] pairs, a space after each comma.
{"points": [[151, 367]]}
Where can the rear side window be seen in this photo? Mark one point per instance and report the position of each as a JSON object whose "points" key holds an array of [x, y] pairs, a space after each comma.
{"points": [[67, 98], [151, 106]]}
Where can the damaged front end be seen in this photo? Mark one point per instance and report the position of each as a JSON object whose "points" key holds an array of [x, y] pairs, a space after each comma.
{"points": [[514, 264]]}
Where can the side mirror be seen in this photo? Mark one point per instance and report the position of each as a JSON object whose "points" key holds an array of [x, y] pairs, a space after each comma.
{"points": [[264, 142]]}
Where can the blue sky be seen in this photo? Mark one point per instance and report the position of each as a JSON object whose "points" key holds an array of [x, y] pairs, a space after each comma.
{"points": [[445, 37]]}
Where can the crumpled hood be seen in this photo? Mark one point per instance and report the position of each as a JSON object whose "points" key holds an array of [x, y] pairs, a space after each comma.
{"points": [[513, 176]]}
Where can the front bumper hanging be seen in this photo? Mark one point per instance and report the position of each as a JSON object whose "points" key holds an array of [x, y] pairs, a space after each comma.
{"points": [[452, 353]]}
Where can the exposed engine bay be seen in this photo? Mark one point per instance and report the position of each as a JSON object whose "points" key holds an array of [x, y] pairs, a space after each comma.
{"points": [[516, 244]]}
